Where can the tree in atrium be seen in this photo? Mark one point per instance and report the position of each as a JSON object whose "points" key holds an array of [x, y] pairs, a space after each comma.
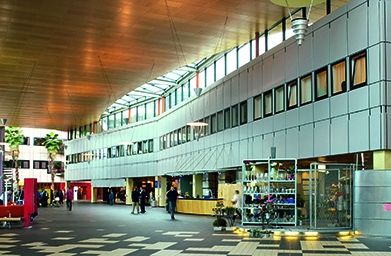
{"points": [[52, 145], [14, 136]]}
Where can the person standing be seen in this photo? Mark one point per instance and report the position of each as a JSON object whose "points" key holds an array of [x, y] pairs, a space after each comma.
{"points": [[237, 201], [143, 196], [69, 197], [135, 200], [111, 197], [172, 196]]}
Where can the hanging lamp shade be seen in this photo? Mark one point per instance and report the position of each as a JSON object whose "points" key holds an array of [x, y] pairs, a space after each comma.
{"points": [[297, 3]]}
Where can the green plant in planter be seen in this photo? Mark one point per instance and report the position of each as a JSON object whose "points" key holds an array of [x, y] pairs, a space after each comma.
{"points": [[14, 136], [301, 217], [230, 210], [219, 223], [52, 145], [300, 201]]}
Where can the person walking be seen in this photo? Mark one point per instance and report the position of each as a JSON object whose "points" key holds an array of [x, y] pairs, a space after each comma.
{"points": [[111, 197], [135, 200], [69, 197], [143, 196], [237, 201], [172, 196]]}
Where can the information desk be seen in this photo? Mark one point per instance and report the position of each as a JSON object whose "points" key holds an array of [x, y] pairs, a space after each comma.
{"points": [[196, 205]]}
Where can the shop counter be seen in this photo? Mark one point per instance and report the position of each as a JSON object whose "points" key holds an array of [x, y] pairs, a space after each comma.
{"points": [[196, 205]]}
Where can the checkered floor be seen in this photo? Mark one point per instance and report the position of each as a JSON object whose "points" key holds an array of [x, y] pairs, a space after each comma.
{"points": [[98, 229]]}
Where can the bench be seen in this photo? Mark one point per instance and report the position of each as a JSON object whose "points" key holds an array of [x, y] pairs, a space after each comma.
{"points": [[9, 220], [11, 213]]}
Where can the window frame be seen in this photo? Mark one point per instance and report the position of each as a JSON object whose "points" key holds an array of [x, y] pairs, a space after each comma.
{"points": [[232, 115], [220, 121], [288, 98], [301, 86], [282, 99], [317, 72], [270, 92], [343, 87], [227, 121], [255, 105], [352, 70], [243, 117]]}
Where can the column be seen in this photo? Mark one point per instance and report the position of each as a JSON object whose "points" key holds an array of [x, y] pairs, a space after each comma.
{"points": [[382, 160], [129, 189], [197, 185], [94, 195], [160, 191]]}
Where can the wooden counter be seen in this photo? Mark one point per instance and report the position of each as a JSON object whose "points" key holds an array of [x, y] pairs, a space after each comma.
{"points": [[196, 205]]}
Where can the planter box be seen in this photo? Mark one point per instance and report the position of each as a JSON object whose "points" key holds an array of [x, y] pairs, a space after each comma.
{"points": [[230, 228], [218, 228]]}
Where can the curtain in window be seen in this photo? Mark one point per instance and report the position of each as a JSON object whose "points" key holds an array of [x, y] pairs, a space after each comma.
{"points": [[257, 107], [338, 77], [292, 94], [321, 84], [306, 89], [268, 104], [280, 99], [359, 70]]}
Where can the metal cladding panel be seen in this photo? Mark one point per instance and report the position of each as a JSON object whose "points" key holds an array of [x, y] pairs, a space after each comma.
{"points": [[306, 114], [321, 109], [279, 121], [257, 79], [372, 190], [358, 99], [374, 22], [338, 48], [211, 101], [235, 156], [250, 78], [321, 47], [257, 127], [279, 143], [357, 21], [268, 124], [267, 71], [235, 89], [359, 131], [291, 62], [243, 130], [387, 17], [339, 135], [227, 93], [257, 147], [243, 152], [235, 134], [374, 66], [322, 138], [305, 56], [243, 85], [278, 68], [292, 118], [306, 143], [220, 98], [292, 143], [339, 104], [388, 59], [267, 143]]}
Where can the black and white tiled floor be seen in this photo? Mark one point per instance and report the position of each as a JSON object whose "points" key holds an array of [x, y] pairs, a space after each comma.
{"points": [[99, 229]]}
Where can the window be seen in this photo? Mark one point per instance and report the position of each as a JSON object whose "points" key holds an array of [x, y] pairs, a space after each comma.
{"points": [[161, 142], [359, 70], [175, 138], [267, 106], [145, 146], [164, 141], [168, 140], [232, 60], [172, 139], [40, 164], [210, 75], [180, 136], [26, 141], [183, 138], [135, 145], [227, 120], [220, 121], [279, 99], [150, 146], [129, 150], [235, 115], [141, 112], [213, 127], [306, 90], [338, 77], [220, 68], [321, 84], [24, 164], [243, 112], [258, 107], [188, 138], [206, 128], [109, 153], [39, 141], [292, 95], [140, 147], [121, 150]]}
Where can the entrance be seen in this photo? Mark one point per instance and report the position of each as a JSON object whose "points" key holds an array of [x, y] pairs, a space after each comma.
{"points": [[331, 197]]}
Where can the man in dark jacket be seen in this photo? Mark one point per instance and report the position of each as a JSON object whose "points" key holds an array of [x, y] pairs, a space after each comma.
{"points": [[143, 196], [172, 196], [135, 200]]}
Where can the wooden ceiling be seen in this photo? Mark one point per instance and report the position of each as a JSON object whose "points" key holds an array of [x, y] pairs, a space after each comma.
{"points": [[50, 73]]}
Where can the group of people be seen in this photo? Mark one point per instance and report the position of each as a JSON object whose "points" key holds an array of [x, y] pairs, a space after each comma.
{"points": [[9, 197], [138, 200]]}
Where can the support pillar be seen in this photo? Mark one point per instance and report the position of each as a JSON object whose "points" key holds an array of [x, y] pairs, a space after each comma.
{"points": [[197, 185], [160, 191], [129, 189], [382, 160], [94, 195]]}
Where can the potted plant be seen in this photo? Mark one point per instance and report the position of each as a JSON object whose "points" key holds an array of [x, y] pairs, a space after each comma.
{"points": [[14, 136], [300, 201], [301, 218], [219, 224]]}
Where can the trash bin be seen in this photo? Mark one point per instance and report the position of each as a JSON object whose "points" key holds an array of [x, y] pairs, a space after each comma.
{"points": [[153, 203]]}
